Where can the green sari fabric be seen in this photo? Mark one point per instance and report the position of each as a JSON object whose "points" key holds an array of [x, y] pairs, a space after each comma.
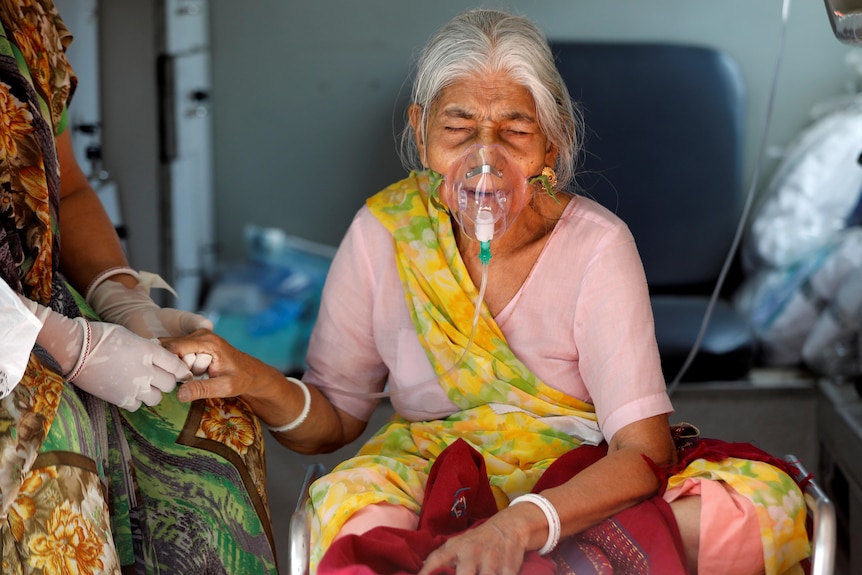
{"points": [[84, 486]]}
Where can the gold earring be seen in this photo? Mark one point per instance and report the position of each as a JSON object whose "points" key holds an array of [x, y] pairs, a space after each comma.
{"points": [[549, 173], [548, 180]]}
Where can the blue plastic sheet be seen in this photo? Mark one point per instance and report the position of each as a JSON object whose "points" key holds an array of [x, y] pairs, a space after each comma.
{"points": [[266, 306]]}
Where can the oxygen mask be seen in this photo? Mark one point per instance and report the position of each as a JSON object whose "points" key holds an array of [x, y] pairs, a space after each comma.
{"points": [[485, 191]]}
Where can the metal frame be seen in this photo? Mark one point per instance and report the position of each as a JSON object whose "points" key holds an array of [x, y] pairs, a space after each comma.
{"points": [[824, 536], [300, 531]]}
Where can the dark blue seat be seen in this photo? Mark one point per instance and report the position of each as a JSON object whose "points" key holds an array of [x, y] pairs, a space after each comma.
{"points": [[664, 150]]}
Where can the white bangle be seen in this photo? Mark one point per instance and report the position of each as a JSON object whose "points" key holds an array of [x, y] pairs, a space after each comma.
{"points": [[85, 349], [305, 410], [551, 515]]}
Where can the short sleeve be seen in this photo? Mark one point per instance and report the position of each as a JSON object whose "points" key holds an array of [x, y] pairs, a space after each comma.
{"points": [[614, 327], [343, 359]]}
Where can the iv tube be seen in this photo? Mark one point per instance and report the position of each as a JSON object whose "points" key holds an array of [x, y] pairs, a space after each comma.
{"points": [[479, 301]]}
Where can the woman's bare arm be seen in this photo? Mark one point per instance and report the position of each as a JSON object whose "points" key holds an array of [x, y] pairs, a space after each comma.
{"points": [[274, 399]]}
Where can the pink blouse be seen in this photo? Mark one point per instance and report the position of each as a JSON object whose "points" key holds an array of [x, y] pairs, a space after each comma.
{"points": [[582, 322]]}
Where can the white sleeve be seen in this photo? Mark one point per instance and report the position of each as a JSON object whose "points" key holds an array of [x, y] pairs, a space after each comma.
{"points": [[18, 331]]}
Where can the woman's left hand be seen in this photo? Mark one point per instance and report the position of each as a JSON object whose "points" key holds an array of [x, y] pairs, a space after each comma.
{"points": [[496, 547]]}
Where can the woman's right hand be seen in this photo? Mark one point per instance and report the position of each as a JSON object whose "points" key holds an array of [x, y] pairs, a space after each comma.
{"points": [[274, 399], [230, 372]]}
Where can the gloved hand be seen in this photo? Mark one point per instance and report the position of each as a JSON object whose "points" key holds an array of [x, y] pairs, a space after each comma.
{"points": [[136, 311], [108, 360]]}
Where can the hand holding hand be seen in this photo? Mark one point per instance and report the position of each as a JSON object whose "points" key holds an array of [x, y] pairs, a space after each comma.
{"points": [[107, 360], [136, 311], [282, 404], [230, 372]]}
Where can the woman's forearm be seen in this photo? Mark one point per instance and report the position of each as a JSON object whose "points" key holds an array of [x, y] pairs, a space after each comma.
{"points": [[614, 483], [324, 429], [273, 397], [90, 244], [619, 480]]}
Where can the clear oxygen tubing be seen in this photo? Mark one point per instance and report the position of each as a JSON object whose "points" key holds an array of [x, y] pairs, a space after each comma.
{"points": [[740, 229], [486, 163]]}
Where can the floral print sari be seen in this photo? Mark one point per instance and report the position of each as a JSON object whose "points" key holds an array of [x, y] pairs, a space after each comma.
{"points": [[518, 424], [84, 486]]}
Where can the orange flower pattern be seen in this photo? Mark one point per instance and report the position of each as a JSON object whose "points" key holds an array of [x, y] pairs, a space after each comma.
{"points": [[15, 119], [47, 391], [24, 508], [227, 424], [29, 171], [35, 405], [69, 545], [62, 536]]}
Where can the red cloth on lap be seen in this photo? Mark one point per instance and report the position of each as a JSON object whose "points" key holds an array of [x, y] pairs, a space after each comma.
{"points": [[458, 497]]}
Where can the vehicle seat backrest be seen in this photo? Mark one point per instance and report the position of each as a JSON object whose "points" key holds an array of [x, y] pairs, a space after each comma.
{"points": [[663, 149]]}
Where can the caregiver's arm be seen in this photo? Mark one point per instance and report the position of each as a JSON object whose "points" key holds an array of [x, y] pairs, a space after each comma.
{"points": [[274, 399], [612, 484], [90, 242]]}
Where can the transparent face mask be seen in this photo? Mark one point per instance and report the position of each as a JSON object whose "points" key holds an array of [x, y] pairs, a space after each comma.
{"points": [[485, 191]]}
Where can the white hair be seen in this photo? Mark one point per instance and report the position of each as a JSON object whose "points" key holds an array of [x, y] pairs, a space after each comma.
{"points": [[490, 41]]}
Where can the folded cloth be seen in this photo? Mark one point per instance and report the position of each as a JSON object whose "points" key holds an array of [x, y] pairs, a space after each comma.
{"points": [[642, 539]]}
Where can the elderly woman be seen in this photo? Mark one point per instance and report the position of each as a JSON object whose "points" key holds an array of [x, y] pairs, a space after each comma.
{"points": [[502, 311]]}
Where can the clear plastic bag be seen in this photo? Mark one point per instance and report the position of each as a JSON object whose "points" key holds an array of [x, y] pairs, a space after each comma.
{"points": [[812, 193], [833, 346], [784, 304]]}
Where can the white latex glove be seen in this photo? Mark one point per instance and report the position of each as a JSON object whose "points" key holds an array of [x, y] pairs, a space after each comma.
{"points": [[108, 360], [136, 311], [198, 362]]}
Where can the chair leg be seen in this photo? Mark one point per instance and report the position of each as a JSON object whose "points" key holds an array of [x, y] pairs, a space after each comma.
{"points": [[824, 536], [300, 529]]}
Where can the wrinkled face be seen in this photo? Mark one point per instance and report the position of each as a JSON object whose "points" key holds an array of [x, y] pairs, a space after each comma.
{"points": [[486, 109]]}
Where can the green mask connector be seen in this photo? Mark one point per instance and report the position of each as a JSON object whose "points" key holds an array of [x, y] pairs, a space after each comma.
{"points": [[485, 252]]}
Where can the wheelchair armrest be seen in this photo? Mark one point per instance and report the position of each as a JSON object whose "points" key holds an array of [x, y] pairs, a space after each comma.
{"points": [[825, 528], [300, 532]]}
